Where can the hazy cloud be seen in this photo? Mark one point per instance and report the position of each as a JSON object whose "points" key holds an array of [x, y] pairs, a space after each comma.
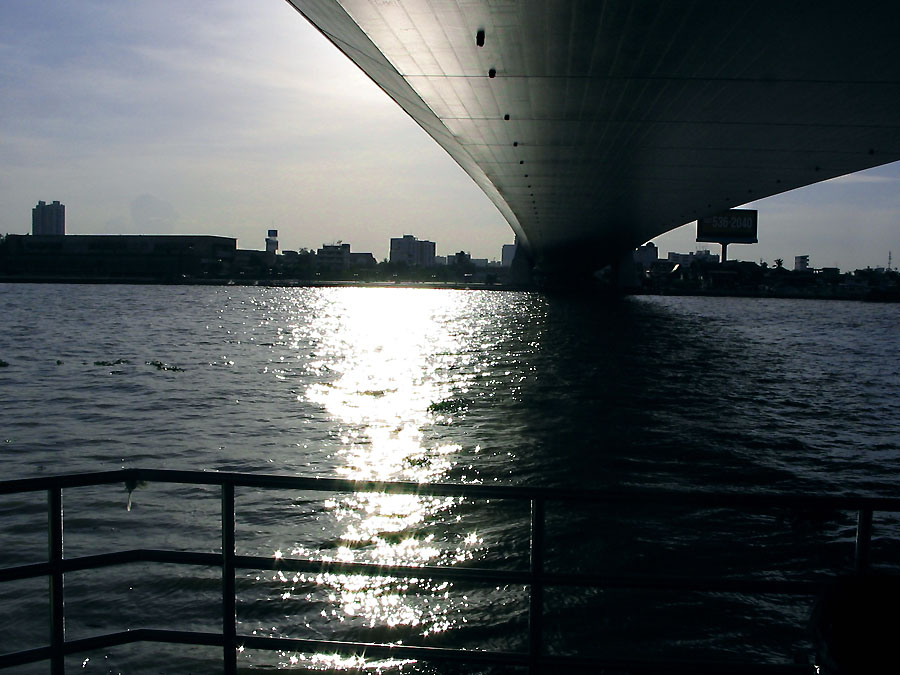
{"points": [[154, 216], [863, 177]]}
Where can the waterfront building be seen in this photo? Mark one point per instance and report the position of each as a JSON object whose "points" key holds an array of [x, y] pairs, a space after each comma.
{"points": [[646, 255], [117, 256], [362, 260], [48, 219], [411, 251], [688, 259], [335, 257], [801, 262]]}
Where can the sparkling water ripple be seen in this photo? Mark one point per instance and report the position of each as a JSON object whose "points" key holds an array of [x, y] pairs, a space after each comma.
{"points": [[439, 385]]}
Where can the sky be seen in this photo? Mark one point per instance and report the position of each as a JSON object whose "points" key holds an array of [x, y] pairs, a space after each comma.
{"points": [[235, 117]]}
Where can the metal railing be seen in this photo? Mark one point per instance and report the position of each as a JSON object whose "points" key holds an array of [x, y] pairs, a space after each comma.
{"points": [[535, 577]]}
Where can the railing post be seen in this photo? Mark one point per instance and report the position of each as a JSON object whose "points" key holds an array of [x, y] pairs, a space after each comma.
{"points": [[229, 665], [536, 602], [57, 604], [863, 540]]}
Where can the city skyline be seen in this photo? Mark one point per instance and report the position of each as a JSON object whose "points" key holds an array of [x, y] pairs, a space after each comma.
{"points": [[163, 118]]}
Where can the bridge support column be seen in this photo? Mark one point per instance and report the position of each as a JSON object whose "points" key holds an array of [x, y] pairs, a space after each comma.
{"points": [[521, 271], [625, 277]]}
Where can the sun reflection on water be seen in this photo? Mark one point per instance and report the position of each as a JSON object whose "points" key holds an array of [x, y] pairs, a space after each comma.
{"points": [[389, 350], [388, 369]]}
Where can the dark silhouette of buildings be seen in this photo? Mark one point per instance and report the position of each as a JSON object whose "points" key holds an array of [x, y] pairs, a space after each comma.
{"points": [[157, 257]]}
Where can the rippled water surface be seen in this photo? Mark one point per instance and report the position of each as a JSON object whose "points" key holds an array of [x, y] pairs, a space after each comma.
{"points": [[437, 386]]}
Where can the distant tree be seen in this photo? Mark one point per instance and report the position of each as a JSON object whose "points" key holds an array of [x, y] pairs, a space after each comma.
{"points": [[779, 263]]}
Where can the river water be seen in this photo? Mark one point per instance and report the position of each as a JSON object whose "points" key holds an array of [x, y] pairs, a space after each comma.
{"points": [[427, 385]]}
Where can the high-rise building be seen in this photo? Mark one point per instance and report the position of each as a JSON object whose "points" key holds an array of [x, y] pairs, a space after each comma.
{"points": [[272, 241], [48, 218], [508, 254], [412, 251]]}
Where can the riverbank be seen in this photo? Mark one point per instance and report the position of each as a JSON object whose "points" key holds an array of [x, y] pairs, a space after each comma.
{"points": [[275, 283], [817, 293], [859, 295]]}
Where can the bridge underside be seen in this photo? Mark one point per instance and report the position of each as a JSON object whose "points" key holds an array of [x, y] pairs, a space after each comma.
{"points": [[596, 126]]}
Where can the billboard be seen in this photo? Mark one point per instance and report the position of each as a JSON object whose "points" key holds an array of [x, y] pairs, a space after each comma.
{"points": [[735, 226]]}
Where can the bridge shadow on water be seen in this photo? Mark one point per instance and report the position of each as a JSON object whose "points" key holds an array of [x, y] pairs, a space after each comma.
{"points": [[619, 391], [630, 393]]}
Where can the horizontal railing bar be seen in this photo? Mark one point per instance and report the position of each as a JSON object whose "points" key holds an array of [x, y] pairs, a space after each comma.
{"points": [[67, 480], [673, 667], [28, 571], [637, 495], [143, 635], [516, 658], [142, 555], [702, 585], [113, 640], [537, 578], [90, 562], [25, 656], [472, 574], [376, 650], [516, 492]]}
